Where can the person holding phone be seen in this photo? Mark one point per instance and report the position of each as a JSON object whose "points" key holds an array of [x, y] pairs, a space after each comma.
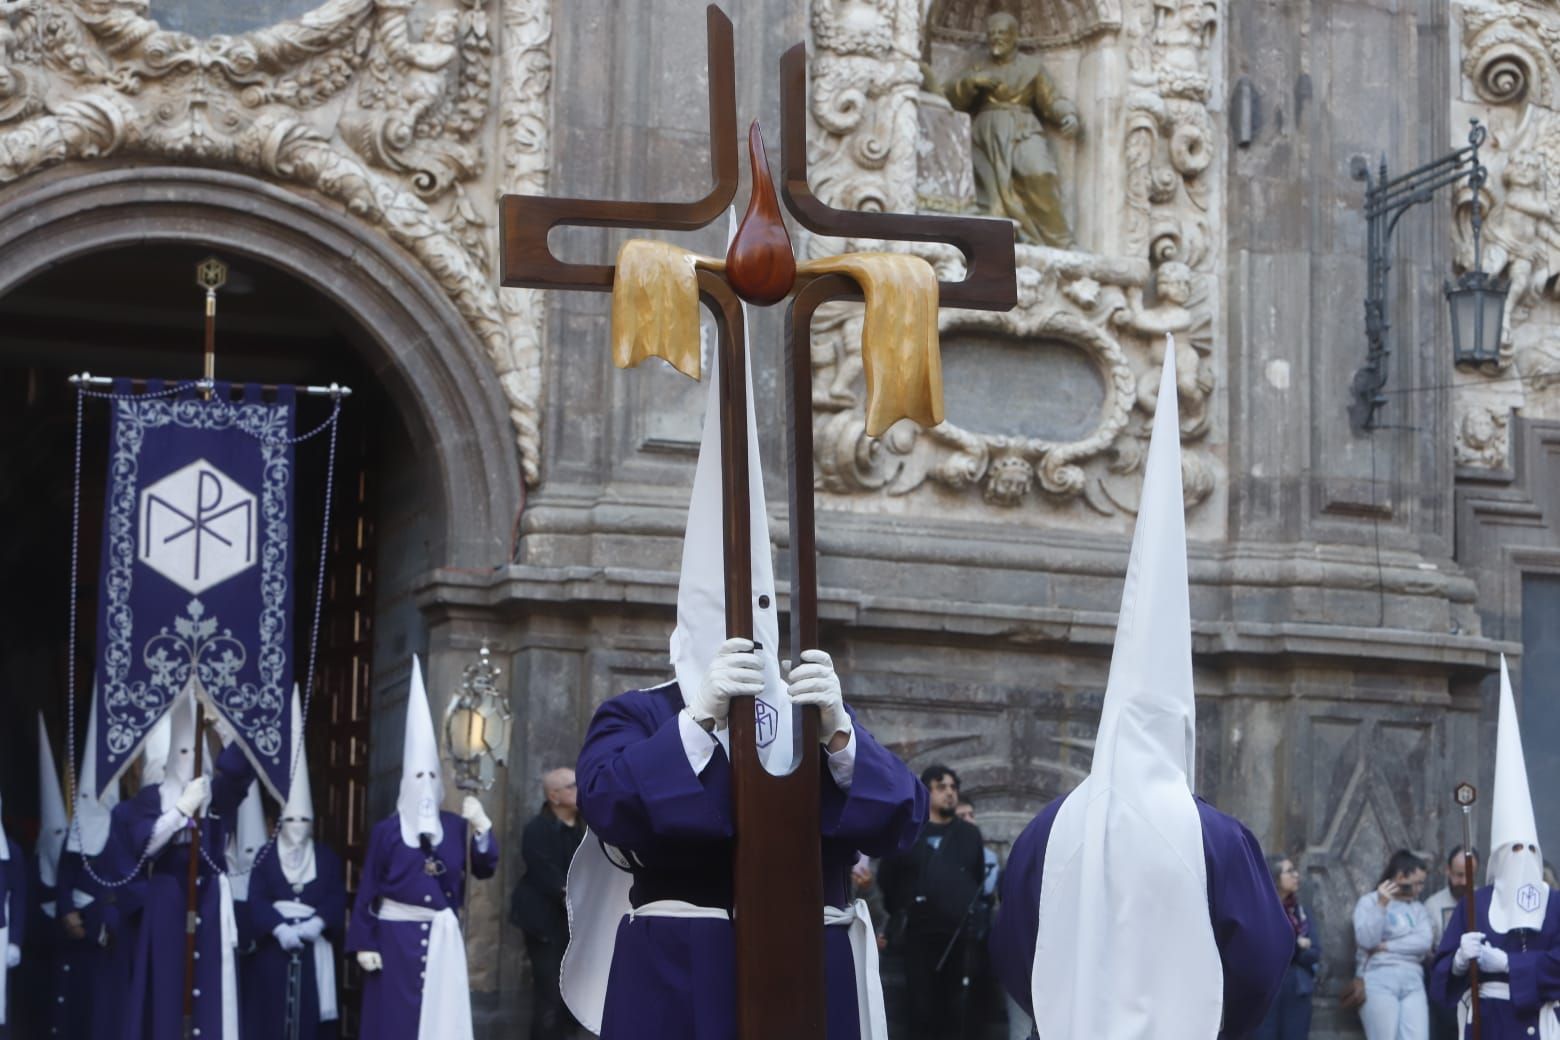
{"points": [[1393, 932]]}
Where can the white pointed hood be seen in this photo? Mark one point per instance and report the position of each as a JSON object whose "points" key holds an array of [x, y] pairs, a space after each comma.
{"points": [[1521, 898], [89, 826], [179, 765], [701, 587], [421, 787], [154, 751], [1125, 877], [51, 811], [246, 841], [295, 837]]}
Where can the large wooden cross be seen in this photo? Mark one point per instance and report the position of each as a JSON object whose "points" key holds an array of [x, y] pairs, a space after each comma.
{"points": [[777, 864]]}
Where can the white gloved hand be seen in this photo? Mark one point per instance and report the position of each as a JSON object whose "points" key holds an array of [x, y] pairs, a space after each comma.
{"points": [[195, 796], [311, 929], [287, 936], [814, 681], [473, 812], [1493, 959], [13, 955], [735, 672], [368, 960], [1467, 950]]}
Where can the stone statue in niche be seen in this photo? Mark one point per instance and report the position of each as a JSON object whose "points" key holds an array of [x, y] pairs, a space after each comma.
{"points": [[1012, 102]]}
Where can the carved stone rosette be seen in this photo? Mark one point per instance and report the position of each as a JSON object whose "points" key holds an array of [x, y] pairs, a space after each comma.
{"points": [[1142, 181], [1508, 55], [350, 101]]}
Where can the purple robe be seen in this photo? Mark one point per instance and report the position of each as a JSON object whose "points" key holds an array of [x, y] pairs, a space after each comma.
{"points": [[85, 992], [153, 906], [265, 975], [392, 997], [672, 978], [1253, 933], [1533, 974]]}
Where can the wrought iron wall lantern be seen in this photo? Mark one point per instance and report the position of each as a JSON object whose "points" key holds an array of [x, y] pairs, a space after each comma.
{"points": [[1477, 301], [477, 726]]}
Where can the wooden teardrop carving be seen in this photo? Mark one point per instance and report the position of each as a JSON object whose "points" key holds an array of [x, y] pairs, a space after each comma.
{"points": [[760, 264]]}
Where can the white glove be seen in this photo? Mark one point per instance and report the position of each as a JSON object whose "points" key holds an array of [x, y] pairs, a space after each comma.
{"points": [[311, 929], [368, 960], [1493, 959], [471, 809], [814, 681], [13, 955], [195, 797], [1467, 950], [287, 936], [735, 672]]}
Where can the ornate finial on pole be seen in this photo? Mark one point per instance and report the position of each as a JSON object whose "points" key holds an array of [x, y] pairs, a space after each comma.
{"points": [[1466, 794], [211, 275]]}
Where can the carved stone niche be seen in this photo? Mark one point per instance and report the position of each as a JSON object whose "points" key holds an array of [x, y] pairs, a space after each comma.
{"points": [[1140, 187]]}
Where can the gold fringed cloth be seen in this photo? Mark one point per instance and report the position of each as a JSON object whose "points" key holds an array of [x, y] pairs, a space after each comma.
{"points": [[899, 344], [655, 313], [655, 305]]}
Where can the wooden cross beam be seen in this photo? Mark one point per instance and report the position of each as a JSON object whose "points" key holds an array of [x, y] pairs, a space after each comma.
{"points": [[777, 862]]}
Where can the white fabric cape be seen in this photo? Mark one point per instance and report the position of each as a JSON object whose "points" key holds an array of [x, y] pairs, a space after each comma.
{"points": [[418, 803], [89, 825], [1125, 949], [1520, 898], [596, 893]]}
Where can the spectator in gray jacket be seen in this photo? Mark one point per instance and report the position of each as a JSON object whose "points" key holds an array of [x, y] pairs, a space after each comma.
{"points": [[1392, 932]]}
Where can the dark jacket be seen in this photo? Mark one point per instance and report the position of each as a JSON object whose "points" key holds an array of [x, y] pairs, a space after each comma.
{"points": [[934, 884], [537, 908]]}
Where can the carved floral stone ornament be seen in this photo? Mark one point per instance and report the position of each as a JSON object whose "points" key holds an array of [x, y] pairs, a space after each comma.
{"points": [[377, 105], [1137, 174], [1509, 59]]}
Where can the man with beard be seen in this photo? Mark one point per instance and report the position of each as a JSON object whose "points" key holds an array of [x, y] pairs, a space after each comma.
{"points": [[1443, 1020]]}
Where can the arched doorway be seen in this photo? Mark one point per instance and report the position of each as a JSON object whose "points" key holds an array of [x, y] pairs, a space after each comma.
{"points": [[98, 275]]}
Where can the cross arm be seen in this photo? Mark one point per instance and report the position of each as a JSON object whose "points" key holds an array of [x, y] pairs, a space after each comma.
{"points": [[526, 260], [989, 282]]}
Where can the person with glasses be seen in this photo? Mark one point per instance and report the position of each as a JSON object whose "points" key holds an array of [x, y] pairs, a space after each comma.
{"points": [[1393, 932], [1289, 1018]]}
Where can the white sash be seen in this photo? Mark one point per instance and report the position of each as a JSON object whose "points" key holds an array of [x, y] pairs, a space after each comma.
{"points": [[81, 900], [1548, 1024], [678, 908], [446, 992], [229, 942], [324, 957], [864, 952]]}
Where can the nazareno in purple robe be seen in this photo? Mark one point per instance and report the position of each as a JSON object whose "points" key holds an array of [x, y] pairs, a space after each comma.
{"points": [[672, 978], [265, 977], [1533, 973], [1253, 933], [392, 997], [154, 906], [86, 993]]}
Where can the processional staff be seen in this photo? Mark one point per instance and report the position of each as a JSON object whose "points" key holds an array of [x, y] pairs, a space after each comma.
{"points": [[210, 275], [656, 290], [1466, 794]]}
